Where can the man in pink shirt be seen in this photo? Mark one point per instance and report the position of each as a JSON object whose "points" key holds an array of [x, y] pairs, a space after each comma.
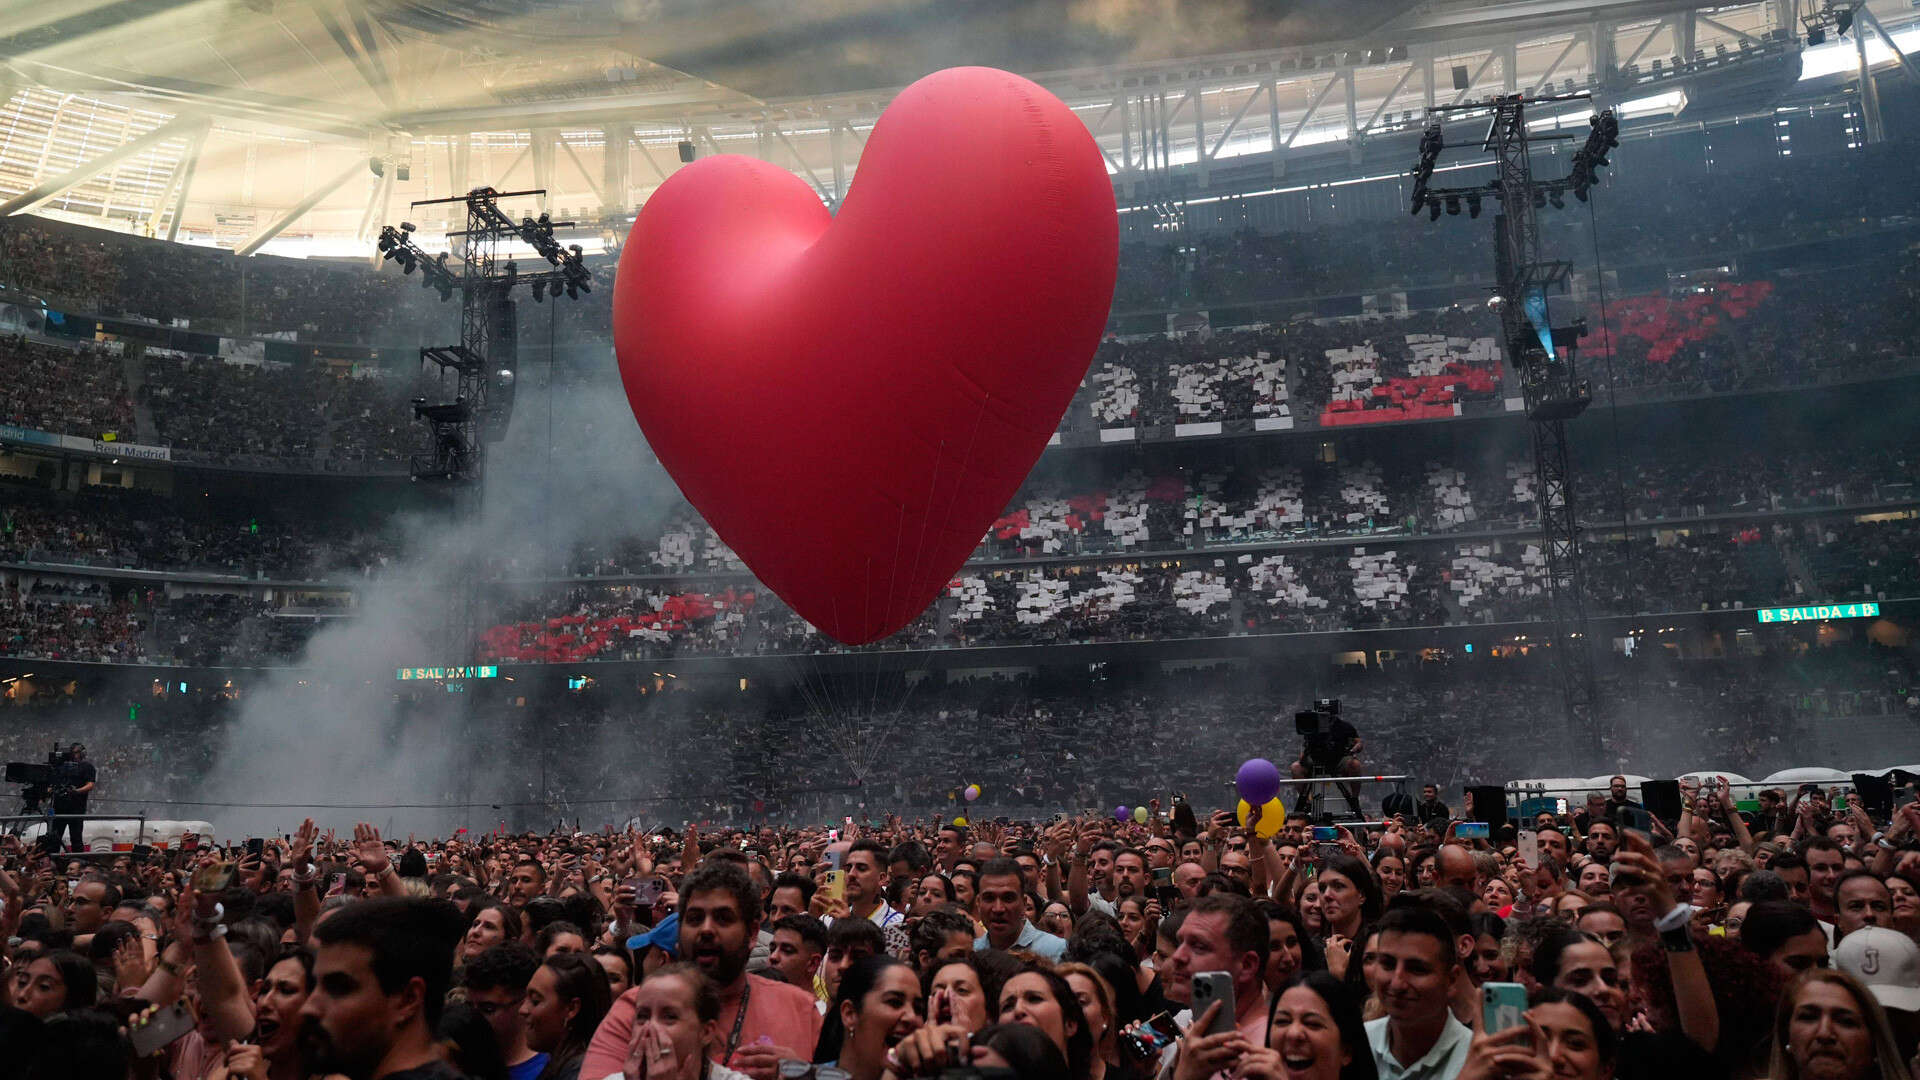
{"points": [[761, 1021], [1221, 933]]}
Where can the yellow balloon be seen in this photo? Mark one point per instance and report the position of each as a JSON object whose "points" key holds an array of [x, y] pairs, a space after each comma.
{"points": [[960, 821], [1272, 816], [1140, 814]]}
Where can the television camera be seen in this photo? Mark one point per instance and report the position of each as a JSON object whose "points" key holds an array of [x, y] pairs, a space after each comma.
{"points": [[41, 782]]}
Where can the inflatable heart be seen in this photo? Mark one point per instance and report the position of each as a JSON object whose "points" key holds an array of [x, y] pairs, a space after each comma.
{"points": [[851, 400]]}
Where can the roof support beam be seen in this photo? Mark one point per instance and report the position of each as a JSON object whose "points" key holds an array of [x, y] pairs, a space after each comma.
{"points": [[87, 170], [1388, 99], [1635, 55], [1239, 115], [192, 164], [1906, 62], [1312, 108], [1725, 29], [806, 169], [346, 46], [647, 157], [299, 210], [1546, 78], [599, 192]]}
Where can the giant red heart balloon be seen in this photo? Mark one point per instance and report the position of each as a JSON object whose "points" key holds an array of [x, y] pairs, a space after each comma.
{"points": [[851, 400]]}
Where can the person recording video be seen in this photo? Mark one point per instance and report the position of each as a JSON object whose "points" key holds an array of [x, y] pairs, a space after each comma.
{"points": [[1331, 747], [73, 781]]}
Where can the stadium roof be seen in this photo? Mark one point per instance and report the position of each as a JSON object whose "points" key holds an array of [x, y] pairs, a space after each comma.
{"points": [[285, 126]]}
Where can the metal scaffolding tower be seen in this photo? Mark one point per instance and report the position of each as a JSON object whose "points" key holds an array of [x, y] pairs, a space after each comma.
{"points": [[486, 360], [1542, 355]]}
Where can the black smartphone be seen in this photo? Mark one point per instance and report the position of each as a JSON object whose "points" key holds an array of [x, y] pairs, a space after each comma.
{"points": [[161, 1029], [256, 845], [1632, 817]]}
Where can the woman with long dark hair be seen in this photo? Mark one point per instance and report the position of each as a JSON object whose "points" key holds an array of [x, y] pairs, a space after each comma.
{"points": [[876, 1006], [1349, 903], [1042, 998], [564, 1003], [1314, 1032], [57, 982]]}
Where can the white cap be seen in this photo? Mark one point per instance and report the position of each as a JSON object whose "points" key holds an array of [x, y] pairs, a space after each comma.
{"points": [[1887, 961]]}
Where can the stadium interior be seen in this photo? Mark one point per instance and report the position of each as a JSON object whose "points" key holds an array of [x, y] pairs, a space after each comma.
{"points": [[1299, 465]]}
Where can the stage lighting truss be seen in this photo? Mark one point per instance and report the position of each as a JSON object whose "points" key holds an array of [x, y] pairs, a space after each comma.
{"points": [[1831, 17], [569, 273], [1603, 134]]}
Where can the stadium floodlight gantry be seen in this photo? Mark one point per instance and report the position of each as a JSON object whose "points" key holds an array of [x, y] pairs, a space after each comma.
{"points": [[296, 128]]}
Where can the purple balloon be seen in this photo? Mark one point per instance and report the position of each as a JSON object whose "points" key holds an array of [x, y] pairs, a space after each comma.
{"points": [[1121, 813], [1258, 781]]}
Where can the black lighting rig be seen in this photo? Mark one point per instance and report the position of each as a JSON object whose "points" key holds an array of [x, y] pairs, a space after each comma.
{"points": [[1541, 354], [486, 361]]}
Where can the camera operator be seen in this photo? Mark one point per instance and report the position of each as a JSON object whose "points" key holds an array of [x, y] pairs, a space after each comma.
{"points": [[73, 780], [1331, 747]]}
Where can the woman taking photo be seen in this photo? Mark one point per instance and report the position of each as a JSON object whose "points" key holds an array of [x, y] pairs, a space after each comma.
{"points": [[1829, 1028], [1565, 1037], [564, 1003]]}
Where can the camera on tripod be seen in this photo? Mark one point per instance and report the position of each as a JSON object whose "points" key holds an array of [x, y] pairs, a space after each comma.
{"points": [[1319, 719], [40, 781]]}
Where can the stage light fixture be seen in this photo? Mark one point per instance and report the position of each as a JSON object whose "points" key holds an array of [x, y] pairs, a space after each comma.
{"points": [[1453, 205], [1473, 206], [1433, 209]]}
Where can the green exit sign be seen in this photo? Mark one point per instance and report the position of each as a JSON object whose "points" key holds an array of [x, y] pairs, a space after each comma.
{"points": [[442, 674], [1818, 611]]}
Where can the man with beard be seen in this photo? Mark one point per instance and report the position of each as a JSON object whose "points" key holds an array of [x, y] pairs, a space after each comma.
{"points": [[380, 977], [761, 1021]]}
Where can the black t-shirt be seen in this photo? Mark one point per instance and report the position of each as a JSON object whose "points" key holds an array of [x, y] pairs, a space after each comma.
{"points": [[1656, 1055], [432, 1070], [72, 775], [1330, 746]]}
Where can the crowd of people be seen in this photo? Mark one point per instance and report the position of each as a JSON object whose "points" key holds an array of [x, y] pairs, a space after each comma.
{"points": [[1852, 322], [66, 390], [1759, 933], [806, 745], [1386, 581]]}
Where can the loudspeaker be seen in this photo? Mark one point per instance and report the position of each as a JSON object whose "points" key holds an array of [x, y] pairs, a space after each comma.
{"points": [[1661, 798], [686, 151], [1875, 793], [1461, 80]]}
